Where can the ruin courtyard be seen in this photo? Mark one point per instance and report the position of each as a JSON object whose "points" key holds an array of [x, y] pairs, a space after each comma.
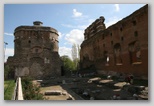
{"points": [[113, 61], [92, 88]]}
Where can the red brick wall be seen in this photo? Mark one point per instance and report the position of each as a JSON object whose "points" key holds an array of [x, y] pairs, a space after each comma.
{"points": [[123, 33]]}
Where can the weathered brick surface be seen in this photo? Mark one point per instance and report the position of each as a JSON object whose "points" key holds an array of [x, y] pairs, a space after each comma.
{"points": [[36, 49], [120, 43]]}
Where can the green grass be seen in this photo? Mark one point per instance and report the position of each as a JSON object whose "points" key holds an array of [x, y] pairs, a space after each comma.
{"points": [[8, 89]]}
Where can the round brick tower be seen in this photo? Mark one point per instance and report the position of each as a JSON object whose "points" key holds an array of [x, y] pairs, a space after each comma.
{"points": [[36, 52]]}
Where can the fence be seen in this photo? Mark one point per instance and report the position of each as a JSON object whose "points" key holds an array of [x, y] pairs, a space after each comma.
{"points": [[18, 95]]}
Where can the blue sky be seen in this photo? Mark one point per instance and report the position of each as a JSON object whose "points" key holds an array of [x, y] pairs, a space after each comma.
{"points": [[69, 19]]}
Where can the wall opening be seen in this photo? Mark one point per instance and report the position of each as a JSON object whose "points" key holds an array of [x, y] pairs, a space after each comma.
{"points": [[29, 41], [122, 38], [121, 29], [102, 36], [110, 34], [106, 58], [136, 34], [134, 22], [135, 53], [111, 42], [103, 45], [117, 54]]}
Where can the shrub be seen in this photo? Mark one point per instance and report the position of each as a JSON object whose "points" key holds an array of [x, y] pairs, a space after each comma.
{"points": [[30, 91]]}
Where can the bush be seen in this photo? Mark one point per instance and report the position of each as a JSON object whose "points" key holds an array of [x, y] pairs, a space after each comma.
{"points": [[30, 91]]}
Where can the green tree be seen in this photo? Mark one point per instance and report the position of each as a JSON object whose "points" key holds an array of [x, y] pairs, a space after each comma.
{"points": [[75, 55], [78, 47], [74, 52], [6, 72], [68, 64]]}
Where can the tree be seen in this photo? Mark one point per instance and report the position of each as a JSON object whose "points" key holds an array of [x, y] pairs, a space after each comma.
{"points": [[75, 55], [74, 52], [78, 52], [68, 64], [6, 72]]}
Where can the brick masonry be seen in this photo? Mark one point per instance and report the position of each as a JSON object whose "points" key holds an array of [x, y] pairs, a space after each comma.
{"points": [[122, 47], [36, 52]]}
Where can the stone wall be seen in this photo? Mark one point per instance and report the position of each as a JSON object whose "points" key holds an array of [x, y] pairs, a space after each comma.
{"points": [[36, 51], [122, 47]]}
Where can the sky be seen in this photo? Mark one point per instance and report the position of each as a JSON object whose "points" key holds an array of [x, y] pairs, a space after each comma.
{"points": [[69, 19]]}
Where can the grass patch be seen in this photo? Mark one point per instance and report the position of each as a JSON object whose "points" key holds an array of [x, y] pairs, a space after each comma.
{"points": [[8, 89]]}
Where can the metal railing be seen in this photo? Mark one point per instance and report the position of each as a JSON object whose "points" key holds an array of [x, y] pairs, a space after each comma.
{"points": [[18, 95]]}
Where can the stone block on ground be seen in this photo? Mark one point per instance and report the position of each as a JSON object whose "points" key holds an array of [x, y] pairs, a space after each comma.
{"points": [[53, 92]]}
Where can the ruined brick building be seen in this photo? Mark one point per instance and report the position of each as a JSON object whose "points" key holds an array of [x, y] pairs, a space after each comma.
{"points": [[120, 48], [35, 52]]}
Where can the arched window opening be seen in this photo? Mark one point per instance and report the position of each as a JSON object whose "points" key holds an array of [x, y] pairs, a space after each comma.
{"points": [[121, 29], [117, 54], [111, 42], [135, 53], [134, 22], [106, 58], [136, 34], [110, 34], [29, 41], [122, 38]]}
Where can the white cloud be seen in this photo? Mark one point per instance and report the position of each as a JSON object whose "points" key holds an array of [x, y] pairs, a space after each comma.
{"points": [[111, 21], [68, 25], [10, 34], [83, 26], [75, 27], [60, 35], [75, 36], [8, 52], [76, 13], [65, 51], [117, 7]]}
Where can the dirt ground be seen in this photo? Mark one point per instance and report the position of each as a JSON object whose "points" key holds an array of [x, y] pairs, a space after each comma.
{"points": [[93, 88]]}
